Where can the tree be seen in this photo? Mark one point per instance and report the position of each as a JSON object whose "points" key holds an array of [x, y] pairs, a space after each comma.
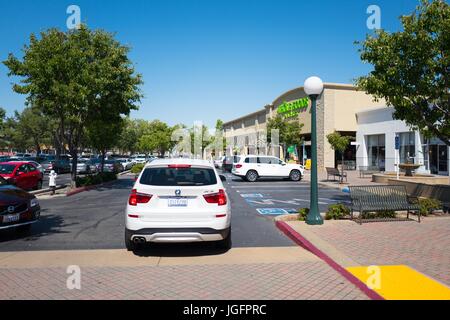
{"points": [[339, 143], [34, 126], [103, 135], [289, 131], [74, 78], [412, 69], [156, 136], [128, 140]]}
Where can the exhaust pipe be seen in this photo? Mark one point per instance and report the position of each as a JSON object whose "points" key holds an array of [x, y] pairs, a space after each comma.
{"points": [[139, 240]]}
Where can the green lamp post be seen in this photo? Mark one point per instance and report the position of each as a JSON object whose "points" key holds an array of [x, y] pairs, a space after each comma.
{"points": [[313, 88]]}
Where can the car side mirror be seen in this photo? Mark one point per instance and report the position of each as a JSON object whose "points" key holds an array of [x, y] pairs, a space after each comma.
{"points": [[283, 163], [222, 178], [19, 173]]}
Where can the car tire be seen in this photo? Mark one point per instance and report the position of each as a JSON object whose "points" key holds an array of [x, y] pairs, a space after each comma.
{"points": [[24, 229], [295, 175], [128, 243], [226, 243], [39, 185], [251, 176]]}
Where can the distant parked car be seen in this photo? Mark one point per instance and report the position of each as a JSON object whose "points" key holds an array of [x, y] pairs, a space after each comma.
{"points": [[22, 174], [140, 159], [109, 166], [227, 164], [21, 155], [59, 166], [37, 165], [18, 208], [251, 168], [86, 166], [218, 163], [127, 163]]}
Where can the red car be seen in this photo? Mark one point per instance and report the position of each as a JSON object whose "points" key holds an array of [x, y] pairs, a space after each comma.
{"points": [[21, 174]]}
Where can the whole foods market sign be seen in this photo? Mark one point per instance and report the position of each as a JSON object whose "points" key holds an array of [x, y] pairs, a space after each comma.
{"points": [[293, 108]]}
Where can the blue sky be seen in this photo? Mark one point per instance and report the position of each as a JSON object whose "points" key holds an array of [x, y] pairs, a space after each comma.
{"points": [[210, 59]]}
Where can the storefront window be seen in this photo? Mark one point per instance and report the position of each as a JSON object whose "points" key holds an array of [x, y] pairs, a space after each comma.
{"points": [[407, 147], [376, 150]]}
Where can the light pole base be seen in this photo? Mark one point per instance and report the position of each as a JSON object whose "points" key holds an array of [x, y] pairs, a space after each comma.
{"points": [[314, 219]]}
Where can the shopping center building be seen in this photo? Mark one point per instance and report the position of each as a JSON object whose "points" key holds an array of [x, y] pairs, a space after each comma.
{"points": [[337, 107], [376, 135]]}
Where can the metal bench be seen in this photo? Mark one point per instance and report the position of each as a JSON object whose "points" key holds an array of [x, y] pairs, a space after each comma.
{"points": [[382, 198], [335, 173], [368, 170]]}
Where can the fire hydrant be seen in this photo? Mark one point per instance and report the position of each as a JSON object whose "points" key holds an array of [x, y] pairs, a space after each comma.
{"points": [[52, 181]]}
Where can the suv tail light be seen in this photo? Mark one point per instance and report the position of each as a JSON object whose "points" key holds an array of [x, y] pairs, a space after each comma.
{"points": [[137, 197], [220, 198], [238, 166]]}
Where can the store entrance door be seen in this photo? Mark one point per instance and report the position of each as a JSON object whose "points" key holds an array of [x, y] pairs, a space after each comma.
{"points": [[439, 159]]}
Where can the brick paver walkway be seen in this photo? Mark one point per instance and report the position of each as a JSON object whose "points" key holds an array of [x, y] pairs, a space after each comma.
{"points": [[305, 280], [424, 246]]}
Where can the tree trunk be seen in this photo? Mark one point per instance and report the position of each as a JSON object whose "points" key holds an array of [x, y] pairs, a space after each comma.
{"points": [[38, 147], [74, 155], [102, 165], [342, 167]]}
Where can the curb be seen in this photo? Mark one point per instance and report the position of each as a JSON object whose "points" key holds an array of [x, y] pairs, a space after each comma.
{"points": [[304, 243], [87, 188], [36, 192]]}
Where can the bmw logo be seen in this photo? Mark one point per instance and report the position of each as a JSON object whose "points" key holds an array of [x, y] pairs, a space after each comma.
{"points": [[11, 209], [178, 192]]}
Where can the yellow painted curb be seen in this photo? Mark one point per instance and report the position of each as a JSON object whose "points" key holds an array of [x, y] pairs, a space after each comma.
{"points": [[400, 283]]}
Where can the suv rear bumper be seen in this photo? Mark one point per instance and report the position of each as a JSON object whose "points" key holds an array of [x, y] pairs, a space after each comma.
{"points": [[164, 235]]}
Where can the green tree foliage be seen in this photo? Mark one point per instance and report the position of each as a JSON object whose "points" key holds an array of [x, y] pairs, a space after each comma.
{"points": [[35, 126], [156, 136], [103, 135], [128, 140], [339, 143], [412, 69], [289, 131], [76, 77]]}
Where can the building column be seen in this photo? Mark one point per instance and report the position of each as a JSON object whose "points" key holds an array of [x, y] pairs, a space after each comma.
{"points": [[419, 159]]}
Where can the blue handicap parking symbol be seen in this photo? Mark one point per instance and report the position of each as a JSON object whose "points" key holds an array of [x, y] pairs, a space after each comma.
{"points": [[271, 211]]}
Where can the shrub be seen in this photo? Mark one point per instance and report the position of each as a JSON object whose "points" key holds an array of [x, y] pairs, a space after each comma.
{"points": [[137, 168], [337, 211], [94, 179], [302, 213], [385, 214], [428, 205]]}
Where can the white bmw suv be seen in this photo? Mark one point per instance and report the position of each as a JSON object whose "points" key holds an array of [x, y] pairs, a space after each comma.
{"points": [[178, 200], [251, 168]]}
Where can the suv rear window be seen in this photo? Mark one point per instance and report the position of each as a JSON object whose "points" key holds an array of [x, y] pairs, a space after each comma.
{"points": [[178, 177]]}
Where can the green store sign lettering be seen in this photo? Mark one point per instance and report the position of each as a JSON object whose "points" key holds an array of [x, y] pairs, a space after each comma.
{"points": [[292, 109]]}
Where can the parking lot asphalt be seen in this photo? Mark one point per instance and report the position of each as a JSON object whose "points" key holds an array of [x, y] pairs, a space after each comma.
{"points": [[95, 219]]}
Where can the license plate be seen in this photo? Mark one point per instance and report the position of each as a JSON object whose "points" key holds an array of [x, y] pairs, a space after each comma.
{"points": [[11, 218], [178, 202]]}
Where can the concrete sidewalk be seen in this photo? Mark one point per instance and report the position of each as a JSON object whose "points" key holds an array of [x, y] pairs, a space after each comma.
{"points": [[353, 179], [422, 246], [245, 273]]}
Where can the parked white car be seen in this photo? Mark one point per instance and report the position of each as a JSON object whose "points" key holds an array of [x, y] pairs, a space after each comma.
{"points": [[251, 168], [139, 159], [127, 163], [218, 163], [178, 200]]}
